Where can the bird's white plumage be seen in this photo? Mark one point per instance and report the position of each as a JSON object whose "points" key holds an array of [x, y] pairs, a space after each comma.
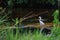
{"points": [[41, 22]]}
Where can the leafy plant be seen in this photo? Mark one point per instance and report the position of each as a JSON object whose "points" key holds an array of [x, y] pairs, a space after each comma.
{"points": [[3, 16], [56, 15]]}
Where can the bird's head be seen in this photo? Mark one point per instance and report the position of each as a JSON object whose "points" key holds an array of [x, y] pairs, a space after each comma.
{"points": [[40, 17]]}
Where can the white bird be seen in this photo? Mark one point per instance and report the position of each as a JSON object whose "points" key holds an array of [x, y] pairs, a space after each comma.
{"points": [[41, 21], [44, 28]]}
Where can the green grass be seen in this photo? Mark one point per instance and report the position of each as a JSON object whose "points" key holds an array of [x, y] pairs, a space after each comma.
{"points": [[55, 35], [7, 33]]}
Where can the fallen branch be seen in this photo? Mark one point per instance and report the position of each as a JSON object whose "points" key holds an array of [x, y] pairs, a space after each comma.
{"points": [[34, 15]]}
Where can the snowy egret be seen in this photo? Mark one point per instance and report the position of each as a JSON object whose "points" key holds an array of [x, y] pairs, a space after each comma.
{"points": [[43, 29], [41, 21]]}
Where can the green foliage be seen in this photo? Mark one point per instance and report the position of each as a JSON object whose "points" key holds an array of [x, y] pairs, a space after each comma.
{"points": [[10, 3], [2, 20], [17, 21], [3, 16], [55, 35], [56, 15]]}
